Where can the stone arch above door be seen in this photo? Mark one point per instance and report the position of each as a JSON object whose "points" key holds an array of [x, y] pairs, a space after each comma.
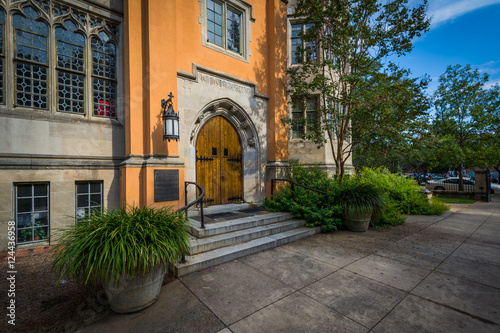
{"points": [[234, 114]]}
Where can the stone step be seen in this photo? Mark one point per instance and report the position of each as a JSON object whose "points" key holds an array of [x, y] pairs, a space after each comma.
{"points": [[222, 209], [235, 225], [199, 245], [224, 254]]}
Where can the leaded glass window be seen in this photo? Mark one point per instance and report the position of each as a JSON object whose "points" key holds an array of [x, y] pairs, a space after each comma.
{"points": [[224, 25], [88, 198], [70, 69], [2, 24], [104, 76], [32, 212], [31, 60]]}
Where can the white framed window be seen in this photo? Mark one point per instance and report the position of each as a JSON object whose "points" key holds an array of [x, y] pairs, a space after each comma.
{"points": [[305, 118], [88, 197], [32, 212], [226, 26], [64, 59]]}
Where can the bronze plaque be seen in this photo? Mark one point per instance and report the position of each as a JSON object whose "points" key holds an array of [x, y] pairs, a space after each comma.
{"points": [[166, 185]]}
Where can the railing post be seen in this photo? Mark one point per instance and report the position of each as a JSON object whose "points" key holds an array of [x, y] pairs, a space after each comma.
{"points": [[293, 192], [272, 188], [186, 196], [201, 212]]}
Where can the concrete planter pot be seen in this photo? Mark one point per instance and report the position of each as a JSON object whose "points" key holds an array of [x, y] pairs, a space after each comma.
{"points": [[135, 294], [358, 221]]}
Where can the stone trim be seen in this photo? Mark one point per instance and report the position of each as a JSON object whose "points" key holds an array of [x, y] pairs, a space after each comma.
{"points": [[33, 161], [199, 68], [231, 111], [151, 160]]}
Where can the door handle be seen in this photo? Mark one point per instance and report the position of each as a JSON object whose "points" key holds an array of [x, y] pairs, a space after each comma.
{"points": [[222, 177]]}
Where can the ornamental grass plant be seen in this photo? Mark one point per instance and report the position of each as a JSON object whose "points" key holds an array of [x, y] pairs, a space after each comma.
{"points": [[122, 243]]}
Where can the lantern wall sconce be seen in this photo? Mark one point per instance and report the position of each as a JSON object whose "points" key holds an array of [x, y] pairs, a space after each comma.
{"points": [[170, 120]]}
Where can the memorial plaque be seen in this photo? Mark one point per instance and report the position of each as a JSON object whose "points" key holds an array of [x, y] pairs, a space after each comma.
{"points": [[166, 185]]}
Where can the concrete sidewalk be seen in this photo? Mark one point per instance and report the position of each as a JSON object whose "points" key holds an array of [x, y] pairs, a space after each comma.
{"points": [[432, 274]]}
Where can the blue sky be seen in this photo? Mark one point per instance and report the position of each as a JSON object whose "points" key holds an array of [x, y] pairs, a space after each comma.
{"points": [[462, 32]]}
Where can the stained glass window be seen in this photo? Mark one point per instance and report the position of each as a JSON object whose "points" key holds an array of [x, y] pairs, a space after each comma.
{"points": [[31, 59], [104, 76], [70, 69]]}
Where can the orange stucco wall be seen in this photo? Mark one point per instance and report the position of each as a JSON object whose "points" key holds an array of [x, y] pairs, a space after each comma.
{"points": [[162, 37]]}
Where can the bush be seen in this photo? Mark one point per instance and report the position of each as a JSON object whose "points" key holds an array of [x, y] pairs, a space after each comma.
{"points": [[317, 209], [401, 197], [123, 242]]}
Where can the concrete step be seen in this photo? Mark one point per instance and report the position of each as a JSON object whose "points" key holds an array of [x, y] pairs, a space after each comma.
{"points": [[222, 208], [199, 245], [224, 254], [234, 225]]}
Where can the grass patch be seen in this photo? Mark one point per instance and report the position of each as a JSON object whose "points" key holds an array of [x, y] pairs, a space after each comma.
{"points": [[455, 201]]}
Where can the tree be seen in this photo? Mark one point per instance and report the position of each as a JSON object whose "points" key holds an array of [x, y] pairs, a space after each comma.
{"points": [[392, 121], [465, 113], [344, 41]]}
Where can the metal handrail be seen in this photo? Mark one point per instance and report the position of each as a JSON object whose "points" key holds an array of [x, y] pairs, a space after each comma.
{"points": [[274, 180], [187, 206], [198, 200]]}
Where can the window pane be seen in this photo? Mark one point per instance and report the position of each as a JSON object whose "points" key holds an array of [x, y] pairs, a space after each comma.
{"points": [[24, 205], [95, 200], [95, 187], [41, 219], [82, 188], [41, 204], [214, 23], [40, 189], [70, 92], [82, 201], [31, 85], [24, 220], [24, 235], [24, 191], [233, 31], [41, 233], [104, 98]]}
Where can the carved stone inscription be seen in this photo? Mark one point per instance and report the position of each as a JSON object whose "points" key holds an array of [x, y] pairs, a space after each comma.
{"points": [[224, 84], [166, 185]]}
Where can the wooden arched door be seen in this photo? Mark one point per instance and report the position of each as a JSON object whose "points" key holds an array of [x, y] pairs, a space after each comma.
{"points": [[219, 162]]}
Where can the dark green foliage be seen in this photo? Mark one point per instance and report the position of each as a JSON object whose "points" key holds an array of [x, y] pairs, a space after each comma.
{"points": [[317, 209], [403, 197], [359, 196], [392, 196], [128, 241]]}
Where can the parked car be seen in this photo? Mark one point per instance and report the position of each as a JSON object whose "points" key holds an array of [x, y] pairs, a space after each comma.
{"points": [[452, 184], [494, 178]]}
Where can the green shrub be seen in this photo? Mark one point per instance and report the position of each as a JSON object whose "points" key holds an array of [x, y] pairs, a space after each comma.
{"points": [[317, 209], [129, 241], [401, 197]]}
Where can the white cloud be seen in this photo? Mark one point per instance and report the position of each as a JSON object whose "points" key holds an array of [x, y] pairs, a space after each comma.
{"points": [[443, 11], [490, 84]]}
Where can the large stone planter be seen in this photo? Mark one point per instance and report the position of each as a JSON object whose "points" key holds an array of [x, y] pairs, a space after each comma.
{"points": [[358, 221], [136, 294]]}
